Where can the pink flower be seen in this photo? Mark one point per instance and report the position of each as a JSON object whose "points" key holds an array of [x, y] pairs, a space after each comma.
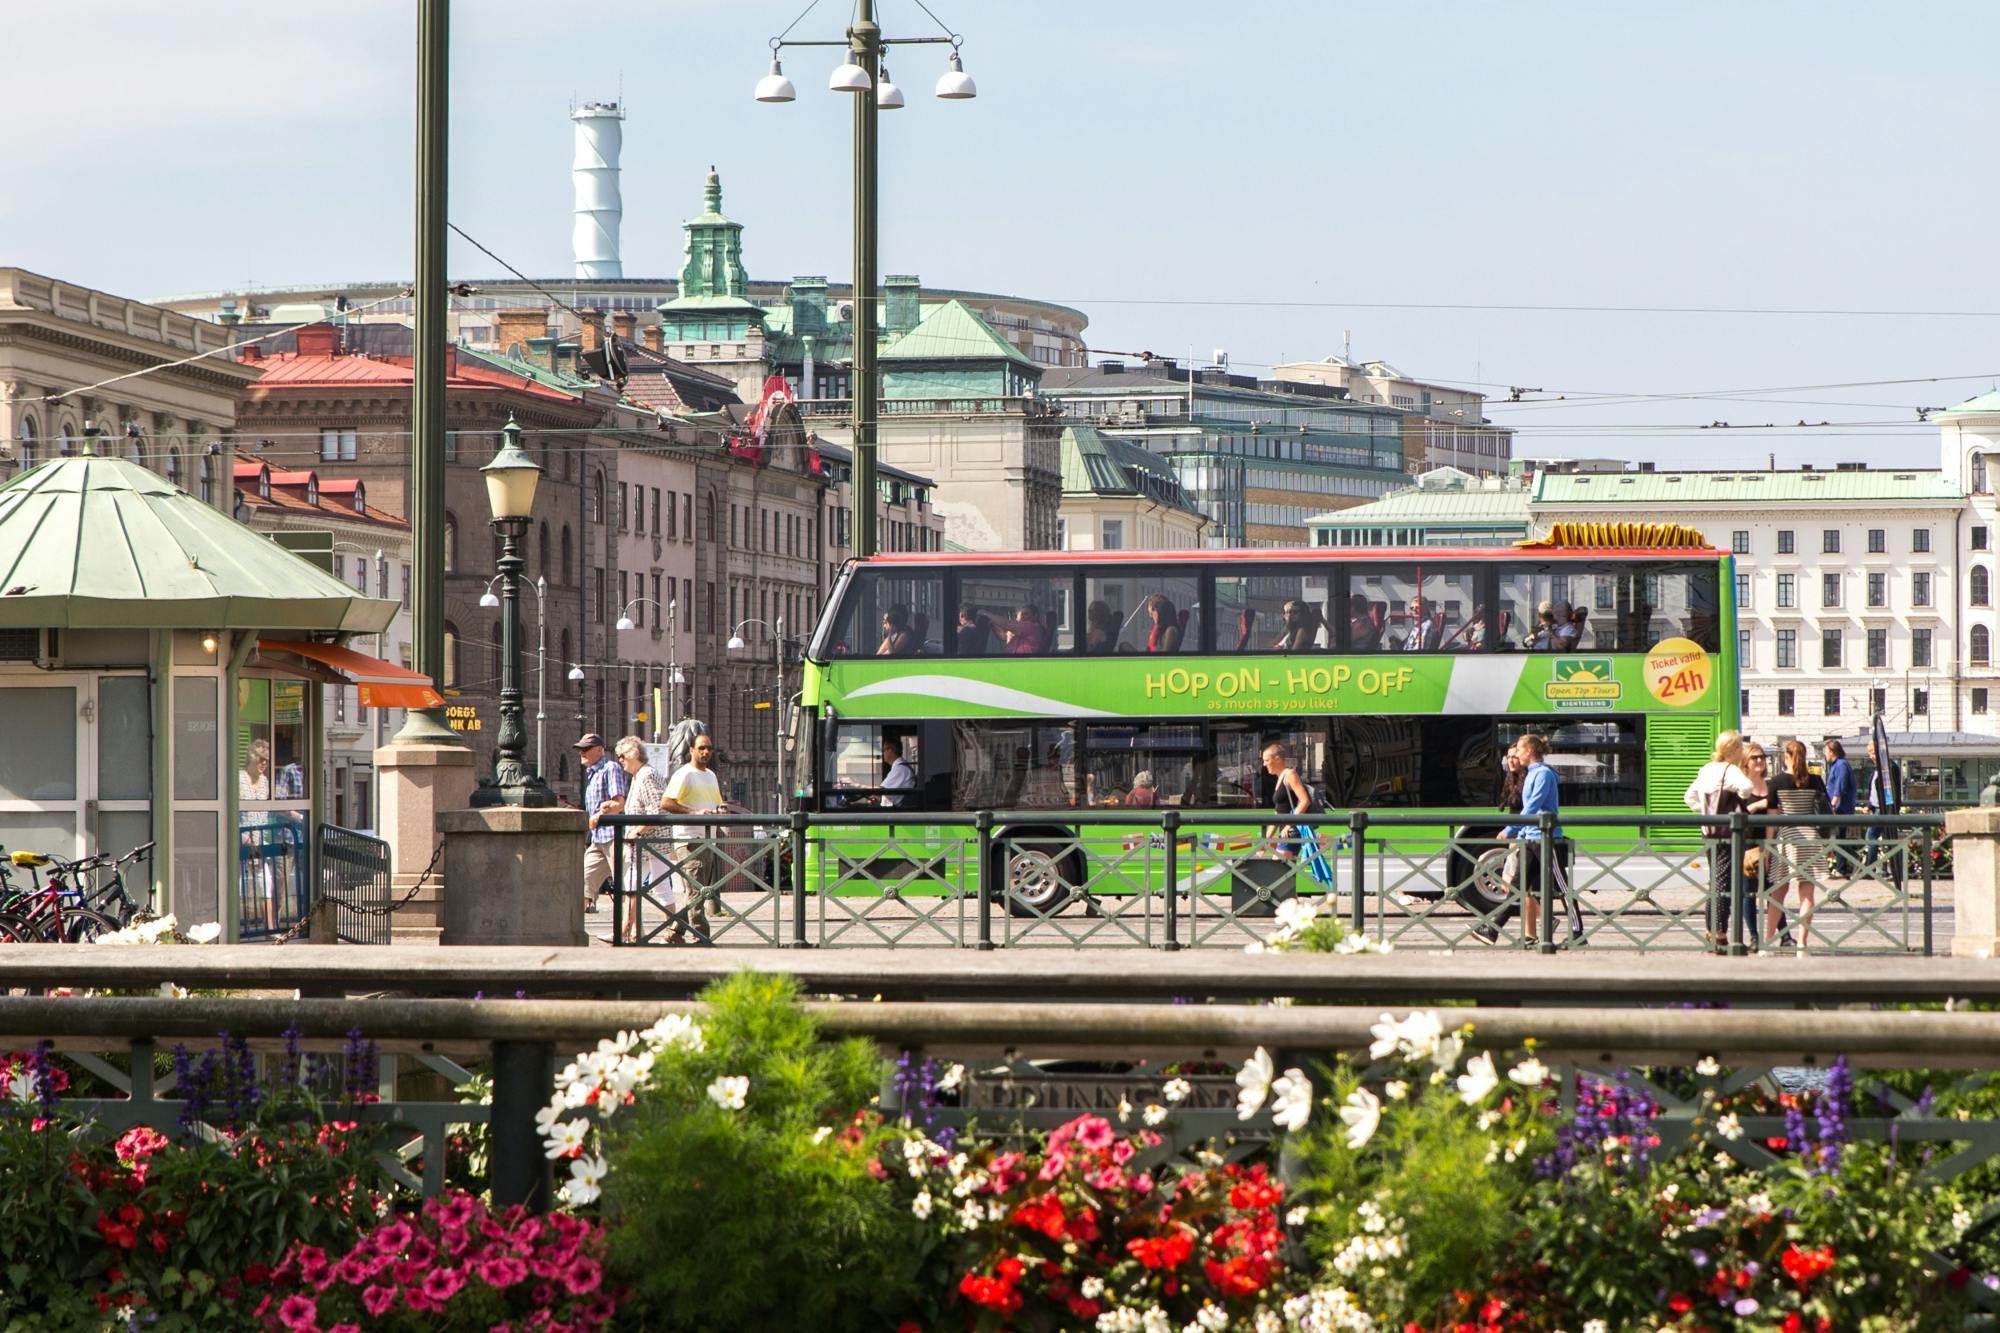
{"points": [[443, 1283], [312, 1263], [583, 1277], [359, 1266], [455, 1211], [1053, 1166], [544, 1294], [377, 1300], [391, 1239], [1142, 1183], [1106, 1178], [1121, 1151], [299, 1314], [503, 1272], [1094, 1132]]}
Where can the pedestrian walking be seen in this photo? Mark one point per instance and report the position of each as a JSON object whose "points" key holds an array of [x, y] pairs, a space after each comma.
{"points": [[694, 789], [1840, 797], [1721, 788], [1885, 792], [1541, 794], [1802, 864], [604, 784], [643, 796]]}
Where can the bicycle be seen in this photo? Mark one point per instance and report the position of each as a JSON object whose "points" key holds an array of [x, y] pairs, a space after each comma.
{"points": [[65, 908]]}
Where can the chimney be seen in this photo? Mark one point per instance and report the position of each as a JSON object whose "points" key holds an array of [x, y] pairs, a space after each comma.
{"points": [[808, 296], [655, 339], [519, 326], [625, 324], [600, 133], [318, 340], [541, 352], [593, 330], [900, 305]]}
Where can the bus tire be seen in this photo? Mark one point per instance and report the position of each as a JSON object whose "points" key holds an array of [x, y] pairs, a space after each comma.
{"points": [[1037, 877], [1483, 889]]}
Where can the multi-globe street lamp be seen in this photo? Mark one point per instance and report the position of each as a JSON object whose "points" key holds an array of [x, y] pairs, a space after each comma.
{"points": [[511, 479], [737, 643], [541, 587], [862, 72], [671, 611]]}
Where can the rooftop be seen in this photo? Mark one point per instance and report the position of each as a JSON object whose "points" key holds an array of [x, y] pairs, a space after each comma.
{"points": [[1761, 488], [1096, 464], [321, 363], [952, 332], [1502, 507]]}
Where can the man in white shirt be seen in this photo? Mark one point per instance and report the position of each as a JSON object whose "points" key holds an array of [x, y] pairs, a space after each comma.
{"points": [[900, 777], [695, 790]]}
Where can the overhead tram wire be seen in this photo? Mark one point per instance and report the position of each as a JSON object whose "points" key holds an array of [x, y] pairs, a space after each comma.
{"points": [[1246, 304]]}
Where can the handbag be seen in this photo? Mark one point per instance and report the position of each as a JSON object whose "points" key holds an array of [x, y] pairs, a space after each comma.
{"points": [[1753, 862]]}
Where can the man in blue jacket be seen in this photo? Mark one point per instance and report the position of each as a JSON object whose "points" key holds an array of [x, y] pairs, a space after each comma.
{"points": [[1840, 798], [1540, 794]]}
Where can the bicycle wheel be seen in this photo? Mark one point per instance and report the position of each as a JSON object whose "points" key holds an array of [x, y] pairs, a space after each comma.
{"points": [[80, 925], [14, 930]]}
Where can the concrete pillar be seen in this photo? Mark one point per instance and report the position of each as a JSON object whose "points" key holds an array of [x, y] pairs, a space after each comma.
{"points": [[417, 784], [513, 875], [1975, 859]]}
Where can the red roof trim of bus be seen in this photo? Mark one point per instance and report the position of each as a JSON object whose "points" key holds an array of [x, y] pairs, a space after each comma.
{"points": [[1270, 554]]}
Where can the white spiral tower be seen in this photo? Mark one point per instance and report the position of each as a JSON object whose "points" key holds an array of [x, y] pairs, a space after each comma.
{"points": [[600, 133]]}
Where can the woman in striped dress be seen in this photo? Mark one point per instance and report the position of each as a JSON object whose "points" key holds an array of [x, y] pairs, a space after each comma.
{"points": [[1801, 848]]}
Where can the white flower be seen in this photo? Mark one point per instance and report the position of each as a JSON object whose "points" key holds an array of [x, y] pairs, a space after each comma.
{"points": [[1707, 1067], [922, 1204], [1212, 1318], [729, 1091], [820, 1135], [21, 1087], [675, 1030], [1124, 1110], [1478, 1080], [1176, 1089], [1253, 1082], [951, 1078], [1729, 1127], [1291, 1100], [1361, 1113], [1395, 1090], [567, 1138], [1446, 1052], [1295, 914], [1960, 1219], [1156, 1320], [545, 1119], [1516, 1148], [971, 1215], [1596, 1326], [1530, 1073], [208, 932], [1297, 1216], [1487, 1119], [586, 1179], [1091, 1288], [1388, 1036], [1154, 1113]]}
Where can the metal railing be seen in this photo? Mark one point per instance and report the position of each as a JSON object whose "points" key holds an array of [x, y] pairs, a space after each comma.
{"points": [[273, 889], [1173, 880], [354, 878]]}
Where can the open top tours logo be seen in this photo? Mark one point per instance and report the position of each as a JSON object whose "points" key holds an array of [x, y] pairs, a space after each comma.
{"points": [[1582, 682]]}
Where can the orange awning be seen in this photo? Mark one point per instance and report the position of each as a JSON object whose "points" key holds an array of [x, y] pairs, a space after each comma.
{"points": [[380, 684]]}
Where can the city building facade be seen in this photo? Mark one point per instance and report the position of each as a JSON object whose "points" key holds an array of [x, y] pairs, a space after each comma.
{"points": [[1443, 425], [1118, 496], [1446, 507]]}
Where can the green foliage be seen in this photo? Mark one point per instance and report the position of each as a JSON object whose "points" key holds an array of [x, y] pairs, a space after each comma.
{"points": [[752, 1218]]}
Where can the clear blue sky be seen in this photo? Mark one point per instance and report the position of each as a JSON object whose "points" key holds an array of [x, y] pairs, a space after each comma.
{"points": [[1132, 160]]}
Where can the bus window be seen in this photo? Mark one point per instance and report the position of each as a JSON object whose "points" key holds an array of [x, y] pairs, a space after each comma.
{"points": [[1600, 762], [1142, 765], [1683, 601], [1284, 611], [874, 764], [1012, 766], [1141, 613], [890, 614], [1414, 608], [1001, 613], [1540, 613], [1234, 779], [1627, 608]]}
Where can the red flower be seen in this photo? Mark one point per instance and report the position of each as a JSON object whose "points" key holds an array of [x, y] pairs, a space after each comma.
{"points": [[1680, 1304], [1170, 1250], [1043, 1213], [117, 1233], [995, 1293], [1792, 1324], [1802, 1266], [1241, 1276]]}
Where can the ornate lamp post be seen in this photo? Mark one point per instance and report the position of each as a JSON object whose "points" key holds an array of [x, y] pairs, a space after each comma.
{"points": [[511, 479], [736, 644]]}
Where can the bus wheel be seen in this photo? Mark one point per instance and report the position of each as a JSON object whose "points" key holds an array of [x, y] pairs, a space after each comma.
{"points": [[1486, 889], [1040, 876]]}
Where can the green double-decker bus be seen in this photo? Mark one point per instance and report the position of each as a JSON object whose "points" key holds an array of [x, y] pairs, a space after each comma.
{"points": [[1047, 683]]}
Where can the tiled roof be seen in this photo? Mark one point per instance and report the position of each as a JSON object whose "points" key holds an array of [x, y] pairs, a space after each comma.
{"points": [[1760, 488], [952, 332], [468, 370]]}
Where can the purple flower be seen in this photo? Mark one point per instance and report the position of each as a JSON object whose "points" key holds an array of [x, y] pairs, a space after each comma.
{"points": [[1700, 1257], [1746, 1307]]}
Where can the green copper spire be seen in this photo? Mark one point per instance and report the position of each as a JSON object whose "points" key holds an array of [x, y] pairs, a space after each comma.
{"points": [[713, 263]]}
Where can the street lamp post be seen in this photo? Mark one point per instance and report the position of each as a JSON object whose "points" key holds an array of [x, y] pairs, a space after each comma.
{"points": [[511, 479], [864, 75], [541, 587], [672, 610], [737, 642]]}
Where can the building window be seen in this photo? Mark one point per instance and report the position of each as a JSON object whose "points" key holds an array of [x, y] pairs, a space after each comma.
{"points": [[1739, 541], [1742, 591], [1784, 541], [1979, 474], [1878, 647], [1742, 701], [1979, 586], [1920, 540], [1920, 647], [450, 665], [1742, 650], [1831, 706], [1920, 703], [1829, 647], [1062, 534], [1787, 591], [1788, 647], [1878, 590], [1829, 541], [336, 445], [656, 511], [1787, 702], [1114, 535], [1979, 536], [1979, 699], [205, 481], [1829, 590], [406, 585], [1981, 643], [1878, 540], [1878, 702], [638, 508], [1920, 589], [624, 499]]}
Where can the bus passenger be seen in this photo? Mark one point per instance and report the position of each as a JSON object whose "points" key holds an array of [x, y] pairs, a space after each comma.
{"points": [[1471, 636], [1145, 791], [1100, 628], [1543, 640], [1302, 625], [1569, 634], [975, 631], [1424, 630], [1024, 634], [1362, 631], [897, 641], [1165, 635]]}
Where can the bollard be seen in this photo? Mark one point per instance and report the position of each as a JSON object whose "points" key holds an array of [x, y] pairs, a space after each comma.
{"points": [[523, 1079], [1357, 823], [1924, 850], [983, 822], [1170, 821], [617, 884], [1738, 825], [798, 845], [1546, 889]]}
